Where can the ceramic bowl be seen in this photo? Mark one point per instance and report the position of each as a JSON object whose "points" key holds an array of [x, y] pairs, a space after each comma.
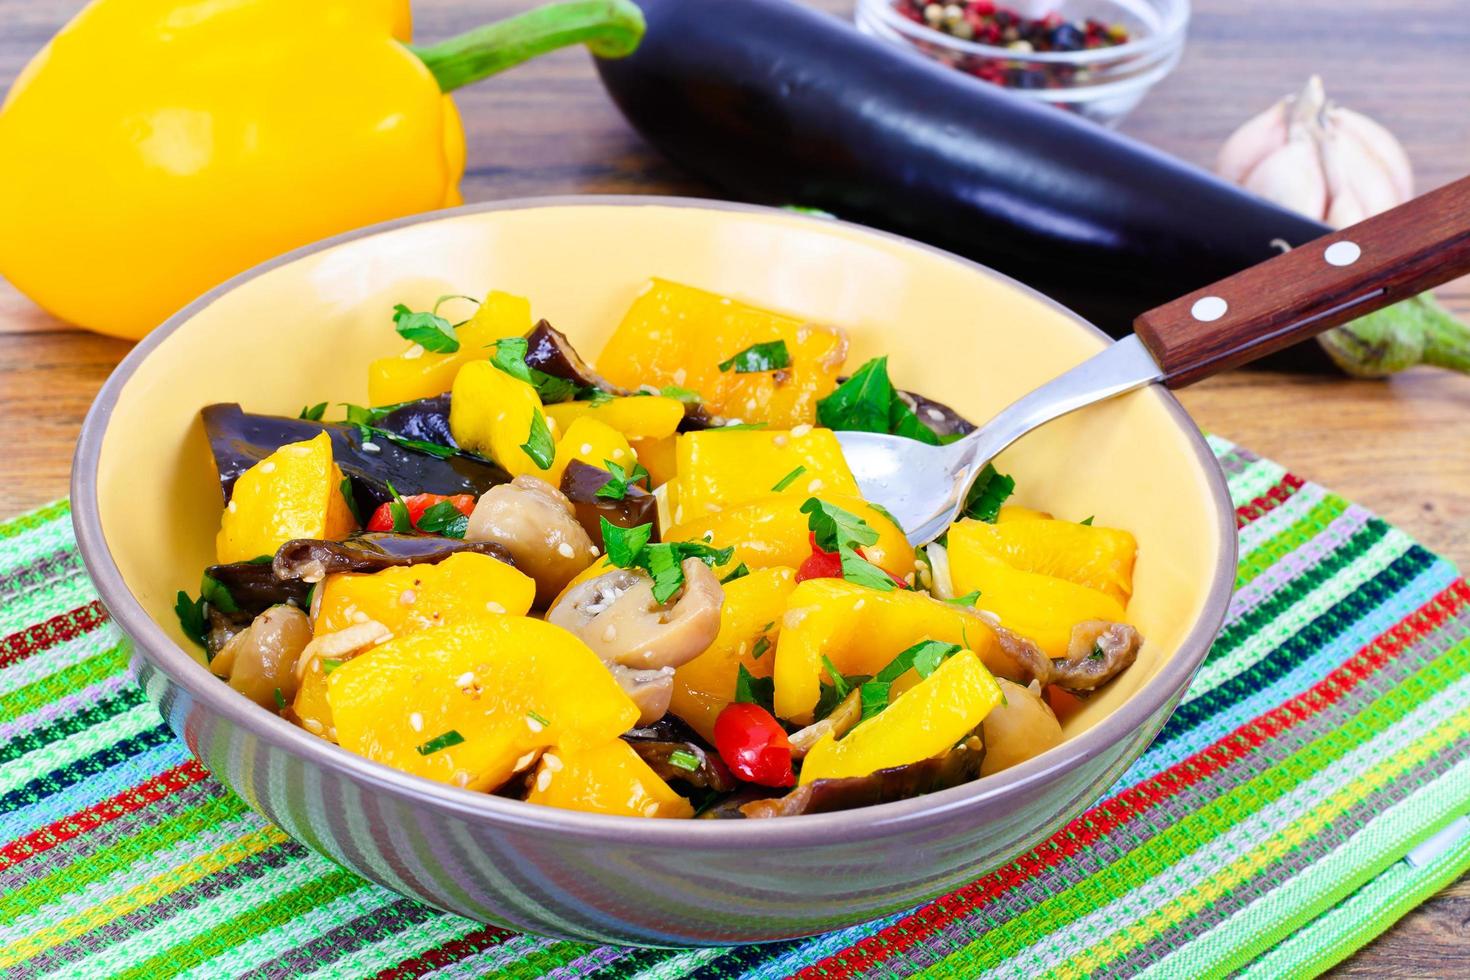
{"points": [[302, 328]]}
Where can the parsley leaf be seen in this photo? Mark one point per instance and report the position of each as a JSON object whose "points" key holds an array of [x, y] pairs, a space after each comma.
{"points": [[617, 487], [750, 689], [989, 491], [445, 519], [923, 658], [769, 356], [280, 700], [402, 520], [968, 599], [313, 413], [788, 479], [510, 357], [432, 448], [346, 487], [684, 395], [440, 742], [622, 545], [192, 618], [684, 759], [330, 665], [738, 427], [868, 402], [741, 570], [429, 330], [761, 646], [216, 594], [860, 571], [596, 396], [1088, 522], [840, 684], [833, 693], [836, 528], [538, 445]]}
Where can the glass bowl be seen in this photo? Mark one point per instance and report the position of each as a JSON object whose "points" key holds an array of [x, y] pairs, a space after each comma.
{"points": [[1100, 83]]}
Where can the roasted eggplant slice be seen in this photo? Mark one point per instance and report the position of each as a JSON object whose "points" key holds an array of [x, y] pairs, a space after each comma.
{"points": [[959, 765], [684, 760], [549, 351], [240, 439], [426, 420], [580, 482], [945, 421], [310, 560], [255, 586], [1097, 652]]}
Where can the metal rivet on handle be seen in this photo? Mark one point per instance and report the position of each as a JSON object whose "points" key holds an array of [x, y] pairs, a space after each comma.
{"points": [[1342, 253], [1208, 308]]}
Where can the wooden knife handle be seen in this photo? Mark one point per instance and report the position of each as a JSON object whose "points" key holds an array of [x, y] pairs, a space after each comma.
{"points": [[1316, 286]]}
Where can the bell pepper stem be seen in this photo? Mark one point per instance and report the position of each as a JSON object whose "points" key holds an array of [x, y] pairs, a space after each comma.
{"points": [[609, 28]]}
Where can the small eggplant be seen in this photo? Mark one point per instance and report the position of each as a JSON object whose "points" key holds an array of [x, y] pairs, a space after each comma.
{"points": [[310, 560], [580, 482], [657, 744], [239, 440], [1097, 652], [959, 765], [426, 420], [549, 351], [255, 587]]}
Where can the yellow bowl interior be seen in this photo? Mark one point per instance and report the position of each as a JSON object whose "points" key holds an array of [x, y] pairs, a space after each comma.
{"points": [[304, 331]]}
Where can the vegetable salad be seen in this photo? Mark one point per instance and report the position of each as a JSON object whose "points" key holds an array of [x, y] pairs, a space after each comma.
{"points": [[646, 587]]}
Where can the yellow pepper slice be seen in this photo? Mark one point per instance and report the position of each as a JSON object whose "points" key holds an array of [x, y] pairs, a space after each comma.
{"points": [[639, 417], [418, 597], [926, 720], [860, 630], [492, 414], [1098, 558], [469, 703], [719, 469], [592, 442], [295, 492], [606, 777], [417, 373]]}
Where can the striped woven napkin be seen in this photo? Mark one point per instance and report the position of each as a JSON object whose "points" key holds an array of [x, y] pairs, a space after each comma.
{"points": [[1311, 788]]}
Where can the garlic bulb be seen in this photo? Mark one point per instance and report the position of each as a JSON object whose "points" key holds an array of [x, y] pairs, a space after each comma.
{"points": [[1310, 155]]}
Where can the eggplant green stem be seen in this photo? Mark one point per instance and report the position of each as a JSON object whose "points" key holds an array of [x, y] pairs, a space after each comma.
{"points": [[1415, 331], [609, 28]]}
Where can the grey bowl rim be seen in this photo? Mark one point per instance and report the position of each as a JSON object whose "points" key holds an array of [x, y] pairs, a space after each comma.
{"points": [[693, 836]]}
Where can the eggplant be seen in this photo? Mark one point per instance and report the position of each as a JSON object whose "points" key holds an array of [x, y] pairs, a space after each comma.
{"points": [[657, 744], [549, 351], [780, 104], [310, 559], [426, 420], [580, 482], [240, 439], [256, 587], [1097, 652]]}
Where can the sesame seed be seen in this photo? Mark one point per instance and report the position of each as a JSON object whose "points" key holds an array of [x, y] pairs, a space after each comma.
{"points": [[313, 726], [779, 440], [934, 414], [231, 507], [465, 679], [551, 762], [461, 778], [533, 724], [413, 353], [609, 634], [594, 549], [371, 447], [408, 597], [267, 467], [859, 604], [565, 550], [801, 430], [814, 486], [524, 761], [619, 453], [586, 449], [494, 607], [416, 722], [543, 780]]}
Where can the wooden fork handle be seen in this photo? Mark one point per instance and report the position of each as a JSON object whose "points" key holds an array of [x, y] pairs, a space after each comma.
{"points": [[1316, 286]]}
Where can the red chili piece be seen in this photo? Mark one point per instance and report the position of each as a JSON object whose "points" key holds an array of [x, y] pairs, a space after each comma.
{"points": [[754, 745], [382, 519], [828, 564]]}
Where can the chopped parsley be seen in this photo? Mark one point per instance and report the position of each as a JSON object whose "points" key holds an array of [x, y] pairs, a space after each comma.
{"points": [[313, 413], [398, 510], [366, 420], [968, 599], [330, 665], [769, 356], [988, 492], [445, 519], [788, 479], [761, 646], [594, 396], [280, 700], [684, 759], [346, 487], [193, 619], [539, 719], [750, 689], [741, 570], [510, 357], [684, 395], [629, 548], [261, 560], [859, 571], [836, 528], [539, 445], [617, 487], [440, 742], [833, 692], [923, 658], [738, 427], [216, 594], [868, 402], [427, 329], [1087, 523]]}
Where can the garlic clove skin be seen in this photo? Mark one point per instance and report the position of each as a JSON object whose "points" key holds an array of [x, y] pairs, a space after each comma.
{"points": [[1252, 143], [1357, 185], [1292, 177], [1381, 144]]}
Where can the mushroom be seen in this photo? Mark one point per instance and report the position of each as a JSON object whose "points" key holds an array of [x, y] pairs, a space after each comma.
{"points": [[616, 615], [1020, 727], [260, 660], [534, 521], [951, 768], [651, 690], [1097, 652], [839, 722]]}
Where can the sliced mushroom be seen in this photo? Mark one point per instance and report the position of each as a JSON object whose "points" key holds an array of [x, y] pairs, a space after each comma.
{"points": [[616, 615], [580, 482], [1097, 652], [534, 521], [958, 765], [260, 660], [839, 722], [1020, 727], [651, 690]]}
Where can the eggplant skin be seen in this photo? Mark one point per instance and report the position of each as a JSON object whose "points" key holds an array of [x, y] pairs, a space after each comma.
{"points": [[780, 104]]}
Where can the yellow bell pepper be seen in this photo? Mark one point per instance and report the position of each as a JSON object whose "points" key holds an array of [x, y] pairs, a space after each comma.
{"points": [[1041, 608], [678, 335], [750, 626], [719, 469], [417, 597], [1015, 512], [295, 492], [417, 373], [659, 457], [860, 630], [608, 777], [161, 146], [1099, 558], [639, 417], [469, 703], [310, 709], [772, 531], [493, 414], [926, 720], [592, 442]]}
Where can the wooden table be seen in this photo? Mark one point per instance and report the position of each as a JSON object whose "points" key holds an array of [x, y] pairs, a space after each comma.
{"points": [[1399, 447]]}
